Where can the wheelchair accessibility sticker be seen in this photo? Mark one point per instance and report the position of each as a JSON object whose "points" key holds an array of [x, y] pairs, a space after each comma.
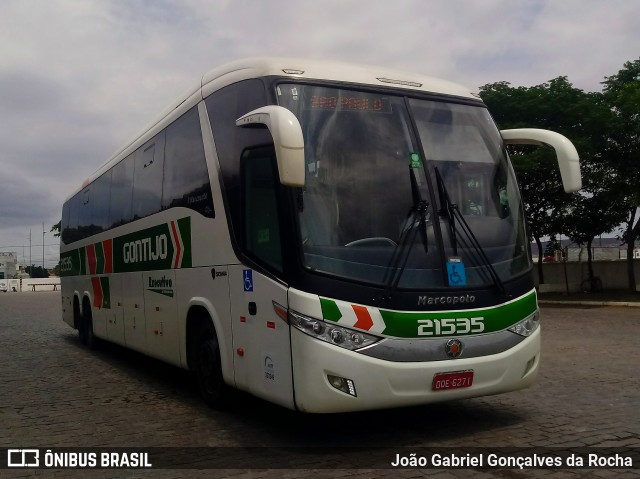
{"points": [[247, 276], [456, 272]]}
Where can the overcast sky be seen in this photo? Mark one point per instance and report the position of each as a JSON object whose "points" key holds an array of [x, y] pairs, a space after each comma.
{"points": [[80, 77]]}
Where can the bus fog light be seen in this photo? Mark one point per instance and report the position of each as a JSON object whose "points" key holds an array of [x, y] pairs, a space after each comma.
{"points": [[336, 336], [344, 337], [527, 326], [342, 384]]}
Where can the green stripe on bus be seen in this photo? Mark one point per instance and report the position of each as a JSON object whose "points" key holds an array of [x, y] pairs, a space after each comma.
{"points": [[401, 324], [496, 318], [184, 227], [99, 258], [106, 292], [145, 250], [83, 260], [330, 310]]}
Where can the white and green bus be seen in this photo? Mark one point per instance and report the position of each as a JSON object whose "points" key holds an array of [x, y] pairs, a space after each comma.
{"points": [[325, 236]]}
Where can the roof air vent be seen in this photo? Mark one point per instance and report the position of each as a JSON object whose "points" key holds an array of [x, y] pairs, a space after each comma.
{"points": [[399, 82]]}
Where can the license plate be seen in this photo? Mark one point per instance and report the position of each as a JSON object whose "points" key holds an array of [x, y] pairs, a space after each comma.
{"points": [[453, 380]]}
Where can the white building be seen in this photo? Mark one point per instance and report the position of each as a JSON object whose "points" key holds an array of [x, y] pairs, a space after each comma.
{"points": [[8, 262]]}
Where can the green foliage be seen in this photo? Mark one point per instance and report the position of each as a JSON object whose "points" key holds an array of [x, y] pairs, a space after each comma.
{"points": [[605, 129], [622, 95], [36, 271], [56, 228]]}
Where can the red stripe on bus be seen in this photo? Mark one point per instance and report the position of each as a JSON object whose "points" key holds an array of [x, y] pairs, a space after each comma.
{"points": [[97, 291], [91, 258], [176, 239], [364, 318]]}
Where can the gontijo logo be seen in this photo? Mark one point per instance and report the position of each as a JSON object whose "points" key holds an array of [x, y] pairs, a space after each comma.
{"points": [[164, 246], [146, 249]]}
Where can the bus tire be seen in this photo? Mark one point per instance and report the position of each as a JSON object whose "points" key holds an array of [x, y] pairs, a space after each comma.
{"points": [[208, 367], [77, 318], [86, 327]]}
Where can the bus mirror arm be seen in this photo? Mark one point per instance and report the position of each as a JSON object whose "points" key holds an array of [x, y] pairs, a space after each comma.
{"points": [[287, 139], [568, 159]]}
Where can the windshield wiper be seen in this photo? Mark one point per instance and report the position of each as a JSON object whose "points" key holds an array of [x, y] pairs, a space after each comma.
{"points": [[417, 214], [452, 212]]}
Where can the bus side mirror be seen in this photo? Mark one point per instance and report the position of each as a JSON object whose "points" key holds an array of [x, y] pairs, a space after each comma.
{"points": [[568, 159], [287, 139]]}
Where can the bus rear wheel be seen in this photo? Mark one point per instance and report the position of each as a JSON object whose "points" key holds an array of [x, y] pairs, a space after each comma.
{"points": [[208, 368], [85, 328]]}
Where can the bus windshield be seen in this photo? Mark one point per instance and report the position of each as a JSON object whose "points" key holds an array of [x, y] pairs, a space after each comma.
{"points": [[366, 168]]}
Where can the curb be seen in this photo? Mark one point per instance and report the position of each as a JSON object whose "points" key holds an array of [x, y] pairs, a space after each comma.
{"points": [[627, 304]]}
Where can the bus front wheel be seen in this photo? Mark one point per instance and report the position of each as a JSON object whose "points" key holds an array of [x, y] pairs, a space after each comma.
{"points": [[208, 368]]}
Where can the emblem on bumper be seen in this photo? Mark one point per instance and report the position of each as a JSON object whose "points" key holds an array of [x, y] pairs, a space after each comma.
{"points": [[453, 348]]}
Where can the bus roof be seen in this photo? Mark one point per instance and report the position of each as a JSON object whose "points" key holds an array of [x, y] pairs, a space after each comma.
{"points": [[329, 70], [299, 69]]}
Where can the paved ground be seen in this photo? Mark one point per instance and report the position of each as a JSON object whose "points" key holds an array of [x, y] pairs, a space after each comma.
{"points": [[55, 393]]}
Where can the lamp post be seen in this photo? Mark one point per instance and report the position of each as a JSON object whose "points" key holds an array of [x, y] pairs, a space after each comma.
{"points": [[43, 248]]}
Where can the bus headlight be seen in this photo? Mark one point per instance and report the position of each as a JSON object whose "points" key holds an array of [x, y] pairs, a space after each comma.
{"points": [[527, 326], [331, 333]]}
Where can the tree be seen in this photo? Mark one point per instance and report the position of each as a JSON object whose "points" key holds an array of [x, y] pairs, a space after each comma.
{"points": [[586, 119], [36, 271], [56, 228], [589, 215], [542, 194], [622, 95], [552, 246], [557, 106]]}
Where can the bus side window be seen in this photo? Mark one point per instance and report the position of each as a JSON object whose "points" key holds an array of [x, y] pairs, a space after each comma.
{"points": [[121, 192], [147, 177], [186, 179], [100, 203], [83, 208], [260, 206]]}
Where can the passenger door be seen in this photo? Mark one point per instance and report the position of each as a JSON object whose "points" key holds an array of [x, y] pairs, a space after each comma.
{"points": [[261, 337]]}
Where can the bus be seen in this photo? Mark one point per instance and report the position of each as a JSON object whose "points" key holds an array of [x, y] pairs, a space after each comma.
{"points": [[326, 236]]}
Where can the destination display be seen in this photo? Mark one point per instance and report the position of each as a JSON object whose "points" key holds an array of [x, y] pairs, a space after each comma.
{"points": [[351, 101]]}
